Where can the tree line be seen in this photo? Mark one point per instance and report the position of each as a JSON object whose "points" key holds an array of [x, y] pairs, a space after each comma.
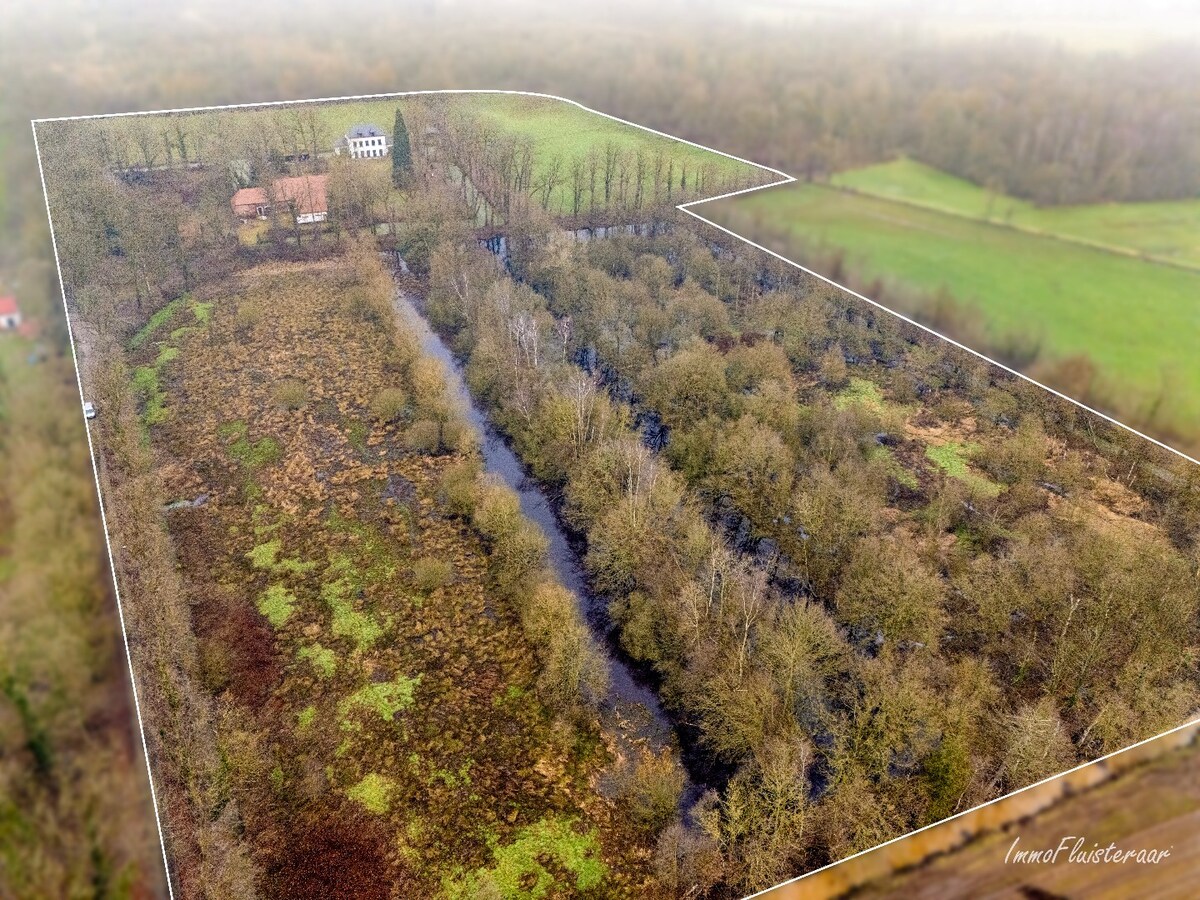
{"points": [[1039, 121], [502, 175]]}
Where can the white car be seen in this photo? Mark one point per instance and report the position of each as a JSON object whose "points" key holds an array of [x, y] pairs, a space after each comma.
{"points": [[89, 411]]}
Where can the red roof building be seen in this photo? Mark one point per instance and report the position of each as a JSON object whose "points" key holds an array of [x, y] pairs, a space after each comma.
{"points": [[250, 203], [304, 195], [10, 314]]}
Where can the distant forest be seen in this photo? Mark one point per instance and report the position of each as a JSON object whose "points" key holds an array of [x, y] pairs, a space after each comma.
{"points": [[1017, 115]]}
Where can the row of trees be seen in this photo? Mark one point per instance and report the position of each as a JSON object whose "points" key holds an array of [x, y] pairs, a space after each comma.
{"points": [[506, 173]]}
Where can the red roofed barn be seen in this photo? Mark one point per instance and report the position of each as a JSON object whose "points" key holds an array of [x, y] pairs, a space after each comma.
{"points": [[304, 195], [251, 203], [10, 314]]}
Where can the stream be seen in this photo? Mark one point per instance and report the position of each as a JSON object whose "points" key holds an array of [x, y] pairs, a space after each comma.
{"points": [[631, 713]]}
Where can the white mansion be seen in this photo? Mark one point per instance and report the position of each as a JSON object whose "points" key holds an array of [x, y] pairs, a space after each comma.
{"points": [[363, 141]]}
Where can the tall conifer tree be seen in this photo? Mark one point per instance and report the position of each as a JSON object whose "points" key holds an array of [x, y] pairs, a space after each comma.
{"points": [[402, 165]]}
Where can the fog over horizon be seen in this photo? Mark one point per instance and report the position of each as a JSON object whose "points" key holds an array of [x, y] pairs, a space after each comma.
{"points": [[1101, 26]]}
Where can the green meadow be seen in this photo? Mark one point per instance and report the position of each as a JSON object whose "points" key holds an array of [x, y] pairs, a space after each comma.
{"points": [[1137, 320], [563, 133], [1168, 230], [559, 128]]}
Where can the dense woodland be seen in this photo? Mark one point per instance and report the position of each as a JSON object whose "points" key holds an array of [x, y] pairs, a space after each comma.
{"points": [[887, 582], [1101, 128], [881, 581]]}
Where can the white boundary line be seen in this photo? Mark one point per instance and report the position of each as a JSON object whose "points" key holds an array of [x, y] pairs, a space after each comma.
{"points": [[850, 888], [137, 707], [685, 208], [784, 178]]}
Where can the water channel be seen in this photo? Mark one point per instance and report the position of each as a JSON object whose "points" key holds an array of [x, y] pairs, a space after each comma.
{"points": [[631, 713]]}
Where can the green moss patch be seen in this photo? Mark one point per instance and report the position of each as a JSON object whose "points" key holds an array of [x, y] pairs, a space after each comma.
{"points": [[952, 458], [146, 387], [166, 355], [305, 718], [887, 459], [323, 660], [374, 792], [155, 322], [362, 628], [263, 556], [293, 566], [202, 312], [533, 864], [385, 699], [266, 556], [257, 454], [277, 603], [860, 392]]}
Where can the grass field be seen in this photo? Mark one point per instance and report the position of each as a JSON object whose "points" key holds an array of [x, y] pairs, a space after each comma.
{"points": [[1138, 321], [563, 130], [1167, 230]]}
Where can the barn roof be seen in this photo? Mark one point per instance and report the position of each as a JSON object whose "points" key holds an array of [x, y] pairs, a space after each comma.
{"points": [[251, 196], [306, 192], [8, 306], [364, 130]]}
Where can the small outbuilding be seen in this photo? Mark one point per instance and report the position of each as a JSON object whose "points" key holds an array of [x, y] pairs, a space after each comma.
{"points": [[10, 314], [251, 203], [363, 141]]}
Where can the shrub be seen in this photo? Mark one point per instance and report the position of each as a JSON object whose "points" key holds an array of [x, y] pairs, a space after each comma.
{"points": [[574, 670], [886, 588], [389, 404], [458, 436], [833, 368], [518, 548], [363, 306], [428, 378], [459, 489], [249, 314], [687, 861], [404, 351], [290, 394], [651, 788], [429, 573], [424, 436]]}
